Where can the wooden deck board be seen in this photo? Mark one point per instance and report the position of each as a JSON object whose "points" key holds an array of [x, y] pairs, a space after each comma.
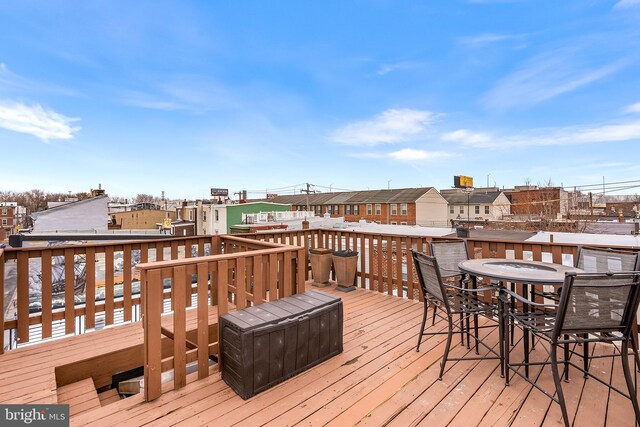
{"points": [[379, 379]]}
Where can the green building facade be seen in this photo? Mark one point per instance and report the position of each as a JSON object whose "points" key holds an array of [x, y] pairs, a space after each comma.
{"points": [[234, 212]]}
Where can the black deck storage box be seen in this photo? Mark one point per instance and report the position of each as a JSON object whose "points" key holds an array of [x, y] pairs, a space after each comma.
{"points": [[264, 345]]}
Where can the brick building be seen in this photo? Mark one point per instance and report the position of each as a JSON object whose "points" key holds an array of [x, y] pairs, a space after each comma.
{"points": [[406, 206], [531, 201], [6, 220], [141, 219]]}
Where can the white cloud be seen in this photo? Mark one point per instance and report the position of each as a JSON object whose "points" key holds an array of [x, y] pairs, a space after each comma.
{"points": [[466, 137], [388, 127], [546, 77], [184, 93], [484, 39], [403, 65], [623, 4], [411, 154], [633, 108], [14, 84], [572, 135], [35, 120]]}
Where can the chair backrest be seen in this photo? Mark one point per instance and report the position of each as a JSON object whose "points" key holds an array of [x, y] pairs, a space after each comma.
{"points": [[449, 254], [598, 302], [429, 277], [600, 260]]}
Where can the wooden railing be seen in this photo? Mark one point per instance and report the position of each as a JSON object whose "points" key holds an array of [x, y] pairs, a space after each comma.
{"points": [[379, 269], [77, 311], [386, 270], [248, 273]]}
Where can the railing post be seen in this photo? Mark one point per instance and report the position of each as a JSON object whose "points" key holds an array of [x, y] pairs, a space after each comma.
{"points": [[152, 296], [179, 327], [203, 320], [1, 301]]}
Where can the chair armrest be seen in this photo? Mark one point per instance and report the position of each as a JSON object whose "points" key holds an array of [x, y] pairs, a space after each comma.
{"points": [[457, 288], [525, 300]]}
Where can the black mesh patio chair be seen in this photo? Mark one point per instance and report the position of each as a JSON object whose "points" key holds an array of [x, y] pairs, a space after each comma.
{"points": [[593, 307], [603, 260], [449, 254], [449, 302]]}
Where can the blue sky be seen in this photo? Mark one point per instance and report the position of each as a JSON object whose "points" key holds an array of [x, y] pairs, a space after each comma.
{"points": [[183, 96]]}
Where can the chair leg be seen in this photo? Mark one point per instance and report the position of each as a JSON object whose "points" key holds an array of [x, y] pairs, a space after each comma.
{"points": [[446, 349], [566, 359], [424, 321], [433, 318], [585, 355], [461, 329], [634, 348], [525, 339], [556, 380], [627, 376], [501, 334], [513, 310], [475, 330]]}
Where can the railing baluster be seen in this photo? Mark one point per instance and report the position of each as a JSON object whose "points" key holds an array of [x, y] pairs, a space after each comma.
{"points": [[126, 281], [108, 285], [241, 283], [258, 280], [47, 294], [90, 289], [69, 291], [23, 297]]}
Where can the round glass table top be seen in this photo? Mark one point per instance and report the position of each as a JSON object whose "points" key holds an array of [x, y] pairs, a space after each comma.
{"points": [[517, 270]]}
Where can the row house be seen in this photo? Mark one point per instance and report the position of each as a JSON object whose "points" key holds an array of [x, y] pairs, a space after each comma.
{"points": [[12, 216], [480, 204], [405, 206]]}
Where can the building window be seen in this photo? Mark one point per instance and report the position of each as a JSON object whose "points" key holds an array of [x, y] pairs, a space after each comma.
{"points": [[217, 217], [403, 223], [378, 209], [177, 216], [403, 209], [4, 221], [461, 209], [347, 209], [394, 223], [356, 209], [4, 211], [451, 209], [190, 215], [477, 210], [204, 215], [486, 210], [336, 210], [394, 209], [369, 211]]}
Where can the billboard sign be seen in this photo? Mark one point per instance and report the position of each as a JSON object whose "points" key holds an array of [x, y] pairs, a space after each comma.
{"points": [[219, 192], [461, 181]]}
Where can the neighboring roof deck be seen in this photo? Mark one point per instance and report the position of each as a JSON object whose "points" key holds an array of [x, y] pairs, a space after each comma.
{"points": [[379, 379]]}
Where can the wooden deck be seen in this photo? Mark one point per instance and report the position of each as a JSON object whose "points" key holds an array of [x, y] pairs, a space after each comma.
{"points": [[379, 379]]}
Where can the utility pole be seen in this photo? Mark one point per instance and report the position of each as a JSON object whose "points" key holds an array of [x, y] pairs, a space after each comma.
{"points": [[307, 190]]}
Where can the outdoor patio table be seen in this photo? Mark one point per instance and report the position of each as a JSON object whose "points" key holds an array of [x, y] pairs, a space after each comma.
{"points": [[529, 273]]}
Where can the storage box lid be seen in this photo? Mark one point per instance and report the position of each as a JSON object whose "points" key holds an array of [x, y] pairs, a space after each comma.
{"points": [[279, 310]]}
